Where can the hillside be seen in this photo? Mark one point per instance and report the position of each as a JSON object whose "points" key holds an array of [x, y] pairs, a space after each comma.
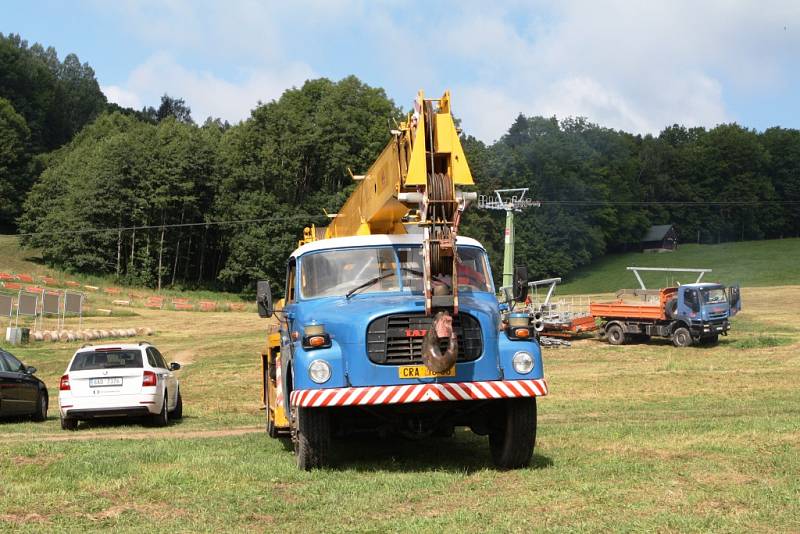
{"points": [[16, 260], [748, 263]]}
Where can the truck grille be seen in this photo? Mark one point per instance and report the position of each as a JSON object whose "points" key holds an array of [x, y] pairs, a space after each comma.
{"points": [[389, 342]]}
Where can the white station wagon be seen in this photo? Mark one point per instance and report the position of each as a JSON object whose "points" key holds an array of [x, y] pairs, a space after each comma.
{"points": [[123, 380]]}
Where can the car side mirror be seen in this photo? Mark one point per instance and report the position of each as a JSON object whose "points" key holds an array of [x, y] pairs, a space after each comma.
{"points": [[264, 299], [520, 287], [30, 370], [174, 366]]}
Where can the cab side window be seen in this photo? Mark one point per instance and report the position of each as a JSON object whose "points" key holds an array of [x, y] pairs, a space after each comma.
{"points": [[692, 300], [291, 273], [159, 358], [13, 364], [3, 365], [151, 359]]}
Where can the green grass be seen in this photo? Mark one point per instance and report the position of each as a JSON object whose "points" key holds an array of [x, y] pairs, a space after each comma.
{"points": [[749, 263], [642, 437]]}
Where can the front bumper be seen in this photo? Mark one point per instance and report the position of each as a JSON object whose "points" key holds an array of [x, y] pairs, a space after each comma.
{"points": [[417, 393], [709, 328]]}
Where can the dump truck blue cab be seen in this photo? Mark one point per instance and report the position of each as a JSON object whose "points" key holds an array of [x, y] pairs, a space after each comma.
{"points": [[351, 336], [704, 309]]}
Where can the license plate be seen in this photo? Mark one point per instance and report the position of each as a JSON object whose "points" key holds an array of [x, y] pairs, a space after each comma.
{"points": [[100, 382], [420, 371]]}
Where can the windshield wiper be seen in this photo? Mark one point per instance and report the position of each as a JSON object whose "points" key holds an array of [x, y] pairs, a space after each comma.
{"points": [[369, 282], [377, 279]]}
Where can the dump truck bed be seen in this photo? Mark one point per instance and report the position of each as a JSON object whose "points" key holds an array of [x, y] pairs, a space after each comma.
{"points": [[627, 310], [649, 305]]}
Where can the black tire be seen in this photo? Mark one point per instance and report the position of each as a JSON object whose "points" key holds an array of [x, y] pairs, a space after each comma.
{"points": [[615, 335], [512, 441], [162, 417], [681, 337], [41, 408], [313, 438], [177, 412], [671, 308], [68, 423], [713, 339]]}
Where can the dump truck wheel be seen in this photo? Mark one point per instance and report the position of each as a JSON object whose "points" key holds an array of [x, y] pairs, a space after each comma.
{"points": [[681, 337], [313, 438], [512, 440], [615, 334]]}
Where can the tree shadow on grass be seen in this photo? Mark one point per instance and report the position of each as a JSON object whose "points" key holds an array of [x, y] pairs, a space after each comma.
{"points": [[462, 453]]}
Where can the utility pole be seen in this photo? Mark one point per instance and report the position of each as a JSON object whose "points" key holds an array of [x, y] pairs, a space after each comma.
{"points": [[510, 201]]}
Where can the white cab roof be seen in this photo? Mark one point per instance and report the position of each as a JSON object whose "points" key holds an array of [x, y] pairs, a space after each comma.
{"points": [[371, 241]]}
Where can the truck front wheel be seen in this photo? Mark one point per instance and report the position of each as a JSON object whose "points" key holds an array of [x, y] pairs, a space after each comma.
{"points": [[681, 337], [615, 335], [313, 438], [514, 436]]}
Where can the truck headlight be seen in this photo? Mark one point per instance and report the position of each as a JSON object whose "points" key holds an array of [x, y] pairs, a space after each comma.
{"points": [[319, 371], [522, 362]]}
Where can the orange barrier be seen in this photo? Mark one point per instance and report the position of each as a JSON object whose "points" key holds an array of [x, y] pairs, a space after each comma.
{"points": [[207, 305], [154, 302]]}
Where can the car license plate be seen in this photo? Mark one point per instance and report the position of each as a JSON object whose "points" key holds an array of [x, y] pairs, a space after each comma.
{"points": [[420, 371], [100, 382]]}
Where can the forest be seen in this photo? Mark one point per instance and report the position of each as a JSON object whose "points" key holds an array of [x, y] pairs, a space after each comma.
{"points": [[152, 198]]}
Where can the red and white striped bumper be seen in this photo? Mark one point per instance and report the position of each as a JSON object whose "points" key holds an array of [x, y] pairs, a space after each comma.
{"points": [[434, 392]]}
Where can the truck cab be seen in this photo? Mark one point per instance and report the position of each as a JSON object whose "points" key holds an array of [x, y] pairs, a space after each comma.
{"points": [[351, 340], [705, 308]]}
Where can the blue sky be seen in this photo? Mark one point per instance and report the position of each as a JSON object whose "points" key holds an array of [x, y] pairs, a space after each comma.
{"points": [[636, 66]]}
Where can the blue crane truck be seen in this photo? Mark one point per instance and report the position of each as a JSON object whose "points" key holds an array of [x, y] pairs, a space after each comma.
{"points": [[390, 321]]}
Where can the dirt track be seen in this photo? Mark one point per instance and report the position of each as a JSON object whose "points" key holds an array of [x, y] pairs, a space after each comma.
{"points": [[150, 434]]}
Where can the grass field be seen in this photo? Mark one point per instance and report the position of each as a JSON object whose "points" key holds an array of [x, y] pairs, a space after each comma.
{"points": [[750, 264], [632, 438]]}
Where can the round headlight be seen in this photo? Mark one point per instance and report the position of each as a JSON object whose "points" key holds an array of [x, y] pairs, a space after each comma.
{"points": [[522, 362], [319, 371]]}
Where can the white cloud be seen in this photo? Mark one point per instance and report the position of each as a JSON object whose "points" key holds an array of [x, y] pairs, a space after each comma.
{"points": [[638, 66], [208, 94], [118, 95], [632, 65]]}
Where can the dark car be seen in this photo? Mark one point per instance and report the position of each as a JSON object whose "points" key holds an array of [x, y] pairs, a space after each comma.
{"points": [[21, 393]]}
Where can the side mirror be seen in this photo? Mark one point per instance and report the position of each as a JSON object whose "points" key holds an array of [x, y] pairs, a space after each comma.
{"points": [[520, 288], [174, 366], [264, 299], [30, 370]]}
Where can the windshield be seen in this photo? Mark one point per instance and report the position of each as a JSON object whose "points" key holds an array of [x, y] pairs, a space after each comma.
{"points": [[337, 272], [107, 360], [714, 295]]}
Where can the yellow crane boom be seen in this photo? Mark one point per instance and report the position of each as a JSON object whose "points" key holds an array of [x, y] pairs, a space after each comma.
{"points": [[414, 181]]}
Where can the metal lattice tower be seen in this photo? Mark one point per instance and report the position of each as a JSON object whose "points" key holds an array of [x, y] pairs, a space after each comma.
{"points": [[510, 201]]}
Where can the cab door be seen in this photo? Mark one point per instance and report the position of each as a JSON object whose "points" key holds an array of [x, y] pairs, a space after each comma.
{"points": [[19, 390], [734, 300], [164, 373]]}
